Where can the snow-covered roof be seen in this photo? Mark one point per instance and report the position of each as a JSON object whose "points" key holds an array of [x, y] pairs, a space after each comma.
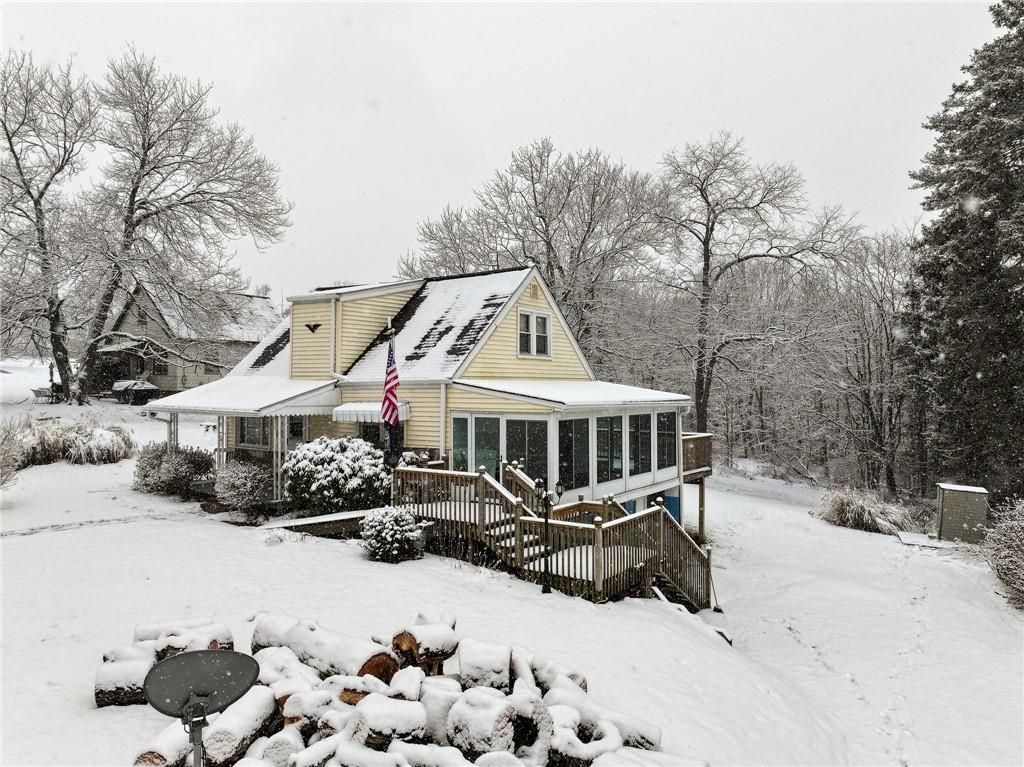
{"points": [[962, 488], [439, 326], [254, 396], [270, 356], [357, 291], [248, 318], [577, 394]]}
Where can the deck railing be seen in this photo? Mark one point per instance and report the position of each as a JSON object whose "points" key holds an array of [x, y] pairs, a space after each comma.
{"points": [[696, 452], [516, 481], [587, 553]]}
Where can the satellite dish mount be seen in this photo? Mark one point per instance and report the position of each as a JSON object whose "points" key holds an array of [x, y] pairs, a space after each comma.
{"points": [[192, 685]]}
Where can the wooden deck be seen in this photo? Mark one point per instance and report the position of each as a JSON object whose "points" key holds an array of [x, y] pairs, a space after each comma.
{"points": [[596, 550]]}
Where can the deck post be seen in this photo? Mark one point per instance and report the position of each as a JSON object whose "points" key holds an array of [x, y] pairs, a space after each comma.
{"points": [[481, 500], [700, 509], [519, 532], [598, 565], [604, 507], [661, 535]]}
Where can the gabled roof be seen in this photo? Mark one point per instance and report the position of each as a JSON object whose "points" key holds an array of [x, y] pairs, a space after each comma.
{"points": [[440, 326], [249, 317]]}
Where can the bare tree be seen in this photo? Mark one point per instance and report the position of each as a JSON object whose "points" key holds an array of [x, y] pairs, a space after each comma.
{"points": [[49, 120], [580, 217], [176, 188], [720, 212]]}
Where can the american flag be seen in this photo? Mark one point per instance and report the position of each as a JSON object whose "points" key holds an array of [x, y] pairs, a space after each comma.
{"points": [[389, 405]]}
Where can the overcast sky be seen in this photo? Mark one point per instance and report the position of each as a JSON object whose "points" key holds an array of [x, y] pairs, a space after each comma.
{"points": [[379, 115]]}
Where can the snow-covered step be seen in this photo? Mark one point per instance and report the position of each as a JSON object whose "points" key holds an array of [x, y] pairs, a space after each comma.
{"points": [[510, 543], [533, 553]]}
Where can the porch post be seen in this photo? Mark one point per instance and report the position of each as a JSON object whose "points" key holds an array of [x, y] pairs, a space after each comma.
{"points": [[598, 564], [275, 457], [222, 442], [700, 509], [172, 433], [681, 464]]}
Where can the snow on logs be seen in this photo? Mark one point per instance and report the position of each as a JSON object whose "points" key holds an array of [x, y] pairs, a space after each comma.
{"points": [[327, 700], [327, 652]]}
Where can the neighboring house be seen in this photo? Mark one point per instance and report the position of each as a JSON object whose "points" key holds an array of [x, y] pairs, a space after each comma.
{"points": [[489, 371], [153, 339]]}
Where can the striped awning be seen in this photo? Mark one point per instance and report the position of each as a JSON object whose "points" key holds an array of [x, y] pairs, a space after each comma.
{"points": [[367, 412]]}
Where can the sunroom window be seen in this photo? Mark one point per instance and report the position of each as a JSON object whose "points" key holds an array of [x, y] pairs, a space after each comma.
{"points": [[639, 443], [574, 452], [609, 448], [666, 440], [534, 334]]}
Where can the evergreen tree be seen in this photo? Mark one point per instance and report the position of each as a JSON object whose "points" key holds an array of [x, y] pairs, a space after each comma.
{"points": [[971, 335]]}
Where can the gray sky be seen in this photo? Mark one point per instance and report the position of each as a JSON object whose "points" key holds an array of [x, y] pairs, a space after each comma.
{"points": [[379, 115]]}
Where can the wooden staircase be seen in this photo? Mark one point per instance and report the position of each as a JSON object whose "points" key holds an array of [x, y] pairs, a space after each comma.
{"points": [[596, 549]]}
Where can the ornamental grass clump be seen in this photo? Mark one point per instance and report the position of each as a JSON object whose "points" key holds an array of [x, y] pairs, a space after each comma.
{"points": [[863, 511], [391, 535], [342, 474], [1004, 548], [12, 452], [83, 441]]}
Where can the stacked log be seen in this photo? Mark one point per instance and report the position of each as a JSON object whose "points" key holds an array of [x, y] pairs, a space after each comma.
{"points": [[327, 700]]}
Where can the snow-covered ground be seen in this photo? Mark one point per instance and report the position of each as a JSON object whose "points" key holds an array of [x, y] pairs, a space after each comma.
{"points": [[848, 647]]}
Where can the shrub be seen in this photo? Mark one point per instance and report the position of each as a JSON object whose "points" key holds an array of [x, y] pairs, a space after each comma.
{"points": [[337, 475], [147, 467], [391, 535], [1004, 548], [84, 441], [244, 486], [863, 511], [157, 471], [12, 452]]}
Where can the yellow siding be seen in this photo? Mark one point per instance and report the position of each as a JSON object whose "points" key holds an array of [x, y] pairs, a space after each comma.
{"points": [[499, 357], [311, 352], [319, 426], [421, 431], [229, 432], [360, 320]]}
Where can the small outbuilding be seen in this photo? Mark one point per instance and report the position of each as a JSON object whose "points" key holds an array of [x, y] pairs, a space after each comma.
{"points": [[963, 512]]}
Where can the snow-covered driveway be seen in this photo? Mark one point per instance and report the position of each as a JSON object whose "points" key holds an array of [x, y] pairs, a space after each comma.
{"points": [[911, 649]]}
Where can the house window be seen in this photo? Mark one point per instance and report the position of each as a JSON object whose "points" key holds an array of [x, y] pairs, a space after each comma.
{"points": [[253, 432], [296, 430], [141, 318], [609, 448], [374, 433], [666, 440], [639, 444], [527, 442], [460, 444], [210, 366], [534, 334], [574, 452], [159, 366]]}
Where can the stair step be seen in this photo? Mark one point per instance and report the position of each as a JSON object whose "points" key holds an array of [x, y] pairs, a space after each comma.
{"points": [[510, 543], [533, 553]]}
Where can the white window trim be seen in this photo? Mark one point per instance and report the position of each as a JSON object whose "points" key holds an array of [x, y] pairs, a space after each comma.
{"points": [[533, 314]]}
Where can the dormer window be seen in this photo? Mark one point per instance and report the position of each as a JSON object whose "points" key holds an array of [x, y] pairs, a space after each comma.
{"points": [[534, 334]]}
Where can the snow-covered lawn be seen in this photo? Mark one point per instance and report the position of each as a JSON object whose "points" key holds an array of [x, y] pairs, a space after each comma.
{"points": [[849, 647]]}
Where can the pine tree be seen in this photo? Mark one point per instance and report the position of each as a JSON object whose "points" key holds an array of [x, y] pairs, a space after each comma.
{"points": [[971, 272]]}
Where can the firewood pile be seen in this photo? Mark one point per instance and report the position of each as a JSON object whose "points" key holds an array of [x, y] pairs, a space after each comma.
{"points": [[422, 697]]}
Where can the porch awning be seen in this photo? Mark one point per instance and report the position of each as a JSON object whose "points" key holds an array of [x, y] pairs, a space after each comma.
{"points": [[576, 395], [367, 412], [242, 395]]}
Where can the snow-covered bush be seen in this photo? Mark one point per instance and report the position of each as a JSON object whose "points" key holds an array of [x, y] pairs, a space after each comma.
{"points": [[1004, 548], [391, 535], [12, 452], [157, 471], [340, 474], [863, 511], [84, 441], [244, 486]]}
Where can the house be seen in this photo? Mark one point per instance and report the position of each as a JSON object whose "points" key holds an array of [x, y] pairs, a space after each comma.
{"points": [[153, 338], [489, 371]]}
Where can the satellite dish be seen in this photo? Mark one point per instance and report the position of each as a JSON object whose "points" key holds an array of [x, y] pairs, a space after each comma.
{"points": [[191, 685]]}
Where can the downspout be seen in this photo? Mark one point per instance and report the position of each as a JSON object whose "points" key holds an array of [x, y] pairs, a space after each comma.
{"points": [[334, 333], [443, 415]]}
